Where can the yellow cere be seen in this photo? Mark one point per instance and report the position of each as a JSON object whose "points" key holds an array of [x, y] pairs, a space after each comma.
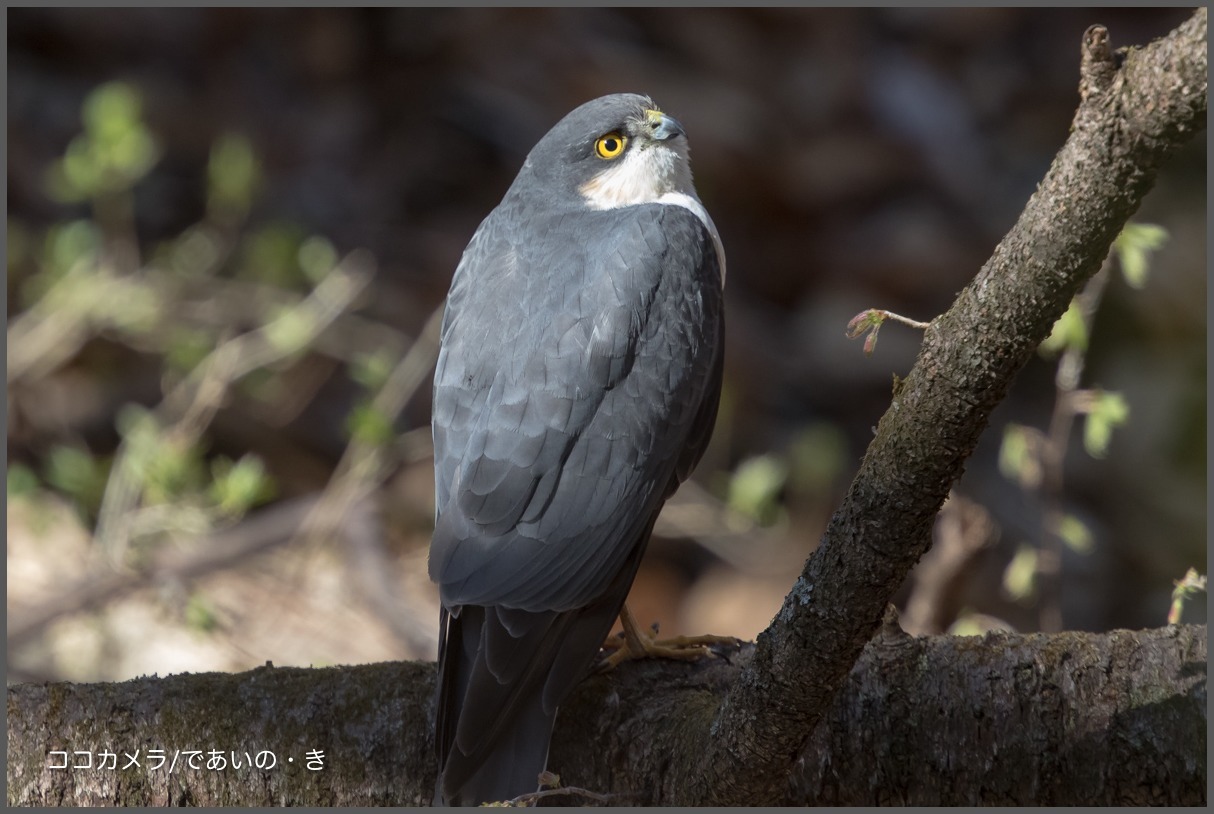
{"points": [[610, 145]]}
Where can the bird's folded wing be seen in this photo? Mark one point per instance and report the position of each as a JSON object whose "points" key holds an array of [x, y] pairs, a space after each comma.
{"points": [[567, 388]]}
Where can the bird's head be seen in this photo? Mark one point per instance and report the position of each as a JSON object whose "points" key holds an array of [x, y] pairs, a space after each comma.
{"points": [[613, 151]]}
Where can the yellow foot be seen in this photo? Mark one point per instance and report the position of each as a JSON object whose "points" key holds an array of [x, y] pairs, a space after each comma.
{"points": [[636, 643]]}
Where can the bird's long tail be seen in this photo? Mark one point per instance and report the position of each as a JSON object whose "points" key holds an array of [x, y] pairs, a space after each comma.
{"points": [[502, 675]]}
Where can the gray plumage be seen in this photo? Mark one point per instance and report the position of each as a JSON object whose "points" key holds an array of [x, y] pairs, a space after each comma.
{"points": [[576, 387]]}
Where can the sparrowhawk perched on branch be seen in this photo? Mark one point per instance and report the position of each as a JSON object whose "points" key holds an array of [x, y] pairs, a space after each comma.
{"points": [[576, 388]]}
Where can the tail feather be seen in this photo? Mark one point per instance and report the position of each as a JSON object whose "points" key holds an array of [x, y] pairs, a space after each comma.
{"points": [[502, 675]]}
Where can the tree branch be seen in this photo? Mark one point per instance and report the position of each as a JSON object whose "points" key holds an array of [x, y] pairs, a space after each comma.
{"points": [[1136, 108], [1094, 718]]}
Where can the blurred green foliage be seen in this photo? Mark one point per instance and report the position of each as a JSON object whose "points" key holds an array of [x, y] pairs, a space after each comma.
{"points": [[270, 255], [1133, 248], [233, 177], [168, 468], [79, 475], [1075, 534], [66, 247], [67, 277], [369, 425], [237, 487], [371, 370], [754, 488], [1024, 450], [114, 152], [186, 347], [317, 258], [1106, 412], [289, 330], [1018, 458], [21, 481], [816, 458], [1070, 331], [199, 615], [1020, 576]]}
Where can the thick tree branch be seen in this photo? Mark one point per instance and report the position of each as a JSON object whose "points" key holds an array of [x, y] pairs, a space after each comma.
{"points": [[1073, 718], [1136, 108]]}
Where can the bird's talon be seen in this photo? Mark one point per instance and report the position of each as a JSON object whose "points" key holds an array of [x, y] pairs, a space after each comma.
{"points": [[634, 643]]}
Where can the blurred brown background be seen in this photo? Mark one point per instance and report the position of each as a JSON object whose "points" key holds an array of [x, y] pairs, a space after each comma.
{"points": [[850, 158]]}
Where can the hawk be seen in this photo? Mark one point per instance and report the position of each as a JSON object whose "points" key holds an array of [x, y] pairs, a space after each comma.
{"points": [[576, 388]]}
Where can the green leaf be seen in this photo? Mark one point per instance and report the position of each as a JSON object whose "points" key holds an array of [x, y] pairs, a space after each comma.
{"points": [[271, 255], [755, 487], [233, 176], [238, 487], [166, 468], [174, 472], [1108, 412], [186, 348], [111, 111], [67, 248], [130, 159], [966, 625], [133, 419], [1018, 457], [1019, 578], [1075, 534], [76, 473], [1069, 332], [113, 153], [195, 252], [1134, 246], [76, 176], [71, 244], [369, 426], [199, 615], [290, 331], [372, 370], [21, 481], [135, 308], [317, 257]]}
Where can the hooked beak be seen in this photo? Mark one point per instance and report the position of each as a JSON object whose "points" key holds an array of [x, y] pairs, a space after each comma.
{"points": [[664, 127]]}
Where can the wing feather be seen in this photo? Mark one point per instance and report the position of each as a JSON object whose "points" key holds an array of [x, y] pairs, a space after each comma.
{"points": [[608, 400], [576, 387]]}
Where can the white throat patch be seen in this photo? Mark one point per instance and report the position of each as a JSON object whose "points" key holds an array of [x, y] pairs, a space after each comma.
{"points": [[657, 174]]}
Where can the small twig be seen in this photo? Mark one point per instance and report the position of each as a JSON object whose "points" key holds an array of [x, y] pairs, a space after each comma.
{"points": [[1192, 584], [47, 335], [410, 620], [870, 322], [1067, 402], [963, 530], [255, 535], [695, 514], [187, 410], [257, 349], [363, 465], [58, 326]]}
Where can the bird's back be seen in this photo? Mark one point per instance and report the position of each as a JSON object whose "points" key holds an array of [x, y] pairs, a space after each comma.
{"points": [[576, 385]]}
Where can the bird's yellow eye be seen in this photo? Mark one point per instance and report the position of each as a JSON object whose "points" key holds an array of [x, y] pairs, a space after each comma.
{"points": [[610, 145]]}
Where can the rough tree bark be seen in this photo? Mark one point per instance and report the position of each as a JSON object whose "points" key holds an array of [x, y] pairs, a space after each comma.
{"points": [[1115, 718], [1136, 108], [1073, 718]]}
